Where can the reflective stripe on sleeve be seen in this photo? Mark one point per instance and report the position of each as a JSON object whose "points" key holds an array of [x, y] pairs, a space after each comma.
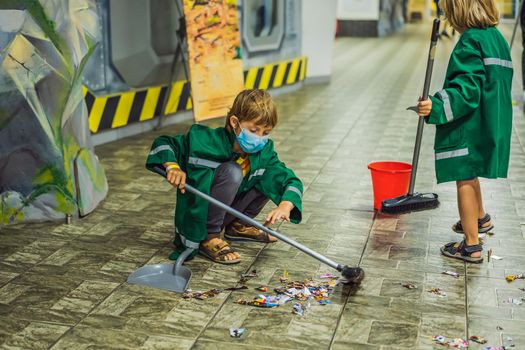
{"points": [[446, 104], [160, 149], [452, 154], [294, 189], [187, 243], [497, 62], [258, 172], [203, 162]]}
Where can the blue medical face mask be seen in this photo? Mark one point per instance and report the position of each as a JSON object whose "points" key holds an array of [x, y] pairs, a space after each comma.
{"points": [[250, 142]]}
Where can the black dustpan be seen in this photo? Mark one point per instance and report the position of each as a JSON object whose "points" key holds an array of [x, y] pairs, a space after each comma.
{"points": [[417, 201]]}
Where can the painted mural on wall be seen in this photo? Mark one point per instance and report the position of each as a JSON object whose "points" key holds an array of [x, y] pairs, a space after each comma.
{"points": [[47, 164], [214, 48]]}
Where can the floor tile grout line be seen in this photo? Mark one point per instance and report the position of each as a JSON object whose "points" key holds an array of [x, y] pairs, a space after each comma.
{"points": [[466, 301], [340, 316], [83, 318], [260, 251], [368, 238], [254, 260], [360, 260], [370, 230], [39, 262], [99, 303]]}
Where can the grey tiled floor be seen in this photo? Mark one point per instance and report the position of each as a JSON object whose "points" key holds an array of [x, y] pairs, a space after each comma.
{"points": [[63, 286]]}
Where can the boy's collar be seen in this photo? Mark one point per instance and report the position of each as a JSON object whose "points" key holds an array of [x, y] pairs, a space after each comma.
{"points": [[231, 135]]}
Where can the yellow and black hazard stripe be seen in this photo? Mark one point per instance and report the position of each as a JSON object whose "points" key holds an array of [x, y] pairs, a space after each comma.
{"points": [[121, 109], [276, 74], [114, 111]]}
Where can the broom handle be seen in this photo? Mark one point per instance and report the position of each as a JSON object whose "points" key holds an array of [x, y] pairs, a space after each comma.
{"points": [[426, 88], [248, 220], [518, 19]]}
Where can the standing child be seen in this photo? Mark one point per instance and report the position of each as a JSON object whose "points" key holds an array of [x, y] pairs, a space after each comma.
{"points": [[235, 164], [473, 117]]}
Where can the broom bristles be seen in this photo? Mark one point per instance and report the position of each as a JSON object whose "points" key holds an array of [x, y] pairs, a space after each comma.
{"points": [[410, 203]]}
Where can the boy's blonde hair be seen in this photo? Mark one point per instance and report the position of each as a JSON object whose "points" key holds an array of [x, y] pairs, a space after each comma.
{"points": [[470, 13], [256, 105]]}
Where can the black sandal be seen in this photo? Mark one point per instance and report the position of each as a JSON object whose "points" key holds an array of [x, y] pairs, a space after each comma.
{"points": [[457, 227], [462, 251]]}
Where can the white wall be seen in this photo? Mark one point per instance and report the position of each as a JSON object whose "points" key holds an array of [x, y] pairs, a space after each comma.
{"points": [[318, 35], [358, 9]]}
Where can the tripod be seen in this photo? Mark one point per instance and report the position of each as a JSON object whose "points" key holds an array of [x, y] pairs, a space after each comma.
{"points": [[179, 51]]}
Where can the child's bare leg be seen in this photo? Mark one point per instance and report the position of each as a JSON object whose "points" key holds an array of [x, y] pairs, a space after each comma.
{"points": [[481, 209], [469, 210]]}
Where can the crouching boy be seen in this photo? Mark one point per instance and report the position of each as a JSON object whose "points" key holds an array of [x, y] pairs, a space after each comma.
{"points": [[237, 165]]}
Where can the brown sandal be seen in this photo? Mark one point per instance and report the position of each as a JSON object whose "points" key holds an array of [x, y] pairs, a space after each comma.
{"points": [[218, 252], [238, 232]]}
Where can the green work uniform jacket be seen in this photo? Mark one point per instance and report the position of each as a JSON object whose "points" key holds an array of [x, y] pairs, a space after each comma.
{"points": [[199, 153], [473, 112]]}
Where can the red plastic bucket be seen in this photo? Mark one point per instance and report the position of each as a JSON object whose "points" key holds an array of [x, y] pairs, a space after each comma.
{"points": [[389, 180]]}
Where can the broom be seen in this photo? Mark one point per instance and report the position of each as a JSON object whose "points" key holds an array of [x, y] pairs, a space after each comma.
{"points": [[417, 201]]}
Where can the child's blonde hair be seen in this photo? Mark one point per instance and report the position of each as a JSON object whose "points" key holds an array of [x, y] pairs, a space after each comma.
{"points": [[254, 105], [470, 13]]}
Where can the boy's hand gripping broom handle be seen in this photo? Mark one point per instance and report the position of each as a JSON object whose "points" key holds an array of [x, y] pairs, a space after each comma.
{"points": [[426, 88], [345, 270]]}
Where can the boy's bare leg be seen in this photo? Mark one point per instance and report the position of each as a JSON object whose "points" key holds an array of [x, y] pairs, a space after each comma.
{"points": [[469, 210]]}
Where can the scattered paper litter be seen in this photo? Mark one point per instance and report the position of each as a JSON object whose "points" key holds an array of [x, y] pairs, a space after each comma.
{"points": [[451, 273], [512, 278], [298, 309], [201, 295], [477, 339], [438, 291], [301, 308], [454, 343], [237, 332], [513, 301], [302, 292], [247, 276], [284, 277], [409, 285], [496, 257], [284, 299], [233, 289]]}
